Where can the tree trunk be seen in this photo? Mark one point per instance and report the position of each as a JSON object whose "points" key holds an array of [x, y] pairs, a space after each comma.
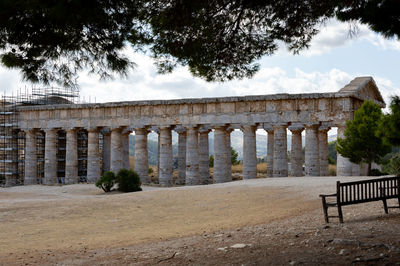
{"points": [[369, 169]]}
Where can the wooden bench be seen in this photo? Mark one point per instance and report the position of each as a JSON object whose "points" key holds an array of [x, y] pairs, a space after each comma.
{"points": [[349, 193]]}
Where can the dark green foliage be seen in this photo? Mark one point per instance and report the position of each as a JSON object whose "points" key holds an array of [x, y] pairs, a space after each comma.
{"points": [[376, 172], [107, 181], [234, 157], [394, 164], [361, 143], [332, 152], [380, 16], [50, 41], [150, 171], [211, 161], [128, 181], [389, 128]]}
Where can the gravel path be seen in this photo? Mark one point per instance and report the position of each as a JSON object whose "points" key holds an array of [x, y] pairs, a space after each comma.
{"points": [[259, 222]]}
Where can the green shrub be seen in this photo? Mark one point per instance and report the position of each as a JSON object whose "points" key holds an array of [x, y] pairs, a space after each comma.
{"points": [[150, 171], [107, 181], [376, 172], [394, 164], [211, 161], [128, 181]]}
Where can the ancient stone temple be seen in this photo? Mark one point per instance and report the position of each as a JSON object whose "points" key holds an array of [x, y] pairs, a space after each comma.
{"points": [[108, 125]]}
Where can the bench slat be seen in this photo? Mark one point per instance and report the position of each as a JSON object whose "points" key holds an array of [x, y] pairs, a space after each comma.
{"points": [[355, 192]]}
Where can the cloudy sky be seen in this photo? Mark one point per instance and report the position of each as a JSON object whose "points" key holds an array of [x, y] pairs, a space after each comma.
{"points": [[333, 59]]}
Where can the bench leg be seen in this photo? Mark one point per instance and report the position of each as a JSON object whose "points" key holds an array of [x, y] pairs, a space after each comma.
{"points": [[325, 208], [340, 213], [385, 206]]}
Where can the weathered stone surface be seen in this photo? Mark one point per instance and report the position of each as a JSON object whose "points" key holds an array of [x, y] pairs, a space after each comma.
{"points": [[306, 108], [228, 162], [166, 162], [192, 156], [93, 160], [30, 176], [116, 150], [71, 157], [220, 169], [296, 160], [50, 157], [249, 152], [125, 150], [270, 151], [181, 157], [106, 151], [312, 150], [204, 169], [271, 112], [323, 152], [141, 154], [280, 166]]}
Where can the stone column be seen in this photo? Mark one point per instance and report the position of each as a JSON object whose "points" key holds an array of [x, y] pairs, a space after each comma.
{"points": [[93, 160], [323, 151], [228, 155], [312, 150], [270, 151], [116, 150], [249, 152], [158, 154], [125, 150], [30, 175], [356, 169], [50, 157], [192, 156], [220, 169], [166, 160], [204, 155], [296, 154], [280, 166], [344, 166], [71, 157], [141, 154], [181, 156], [106, 150]]}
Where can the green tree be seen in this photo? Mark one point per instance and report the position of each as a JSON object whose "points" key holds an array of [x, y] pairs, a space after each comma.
{"points": [[107, 181], [50, 41], [234, 157], [332, 154], [389, 127], [361, 144], [211, 161]]}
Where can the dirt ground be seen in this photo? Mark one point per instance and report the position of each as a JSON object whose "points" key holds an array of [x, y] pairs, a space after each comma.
{"points": [[275, 221]]}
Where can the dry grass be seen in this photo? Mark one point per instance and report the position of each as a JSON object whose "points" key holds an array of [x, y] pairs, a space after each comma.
{"points": [[332, 170], [131, 162]]}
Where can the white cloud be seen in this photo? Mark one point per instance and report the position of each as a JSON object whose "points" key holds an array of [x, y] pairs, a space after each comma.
{"points": [[335, 34]]}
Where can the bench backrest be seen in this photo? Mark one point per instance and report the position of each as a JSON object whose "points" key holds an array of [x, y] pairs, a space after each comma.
{"points": [[368, 190]]}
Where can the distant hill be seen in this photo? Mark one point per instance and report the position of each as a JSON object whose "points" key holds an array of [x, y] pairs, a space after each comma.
{"points": [[236, 143]]}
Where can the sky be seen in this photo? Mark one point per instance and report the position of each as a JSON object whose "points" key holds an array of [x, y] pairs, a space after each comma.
{"points": [[333, 60]]}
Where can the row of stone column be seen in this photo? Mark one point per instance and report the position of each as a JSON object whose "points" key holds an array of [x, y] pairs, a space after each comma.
{"points": [[316, 150], [115, 155], [193, 153]]}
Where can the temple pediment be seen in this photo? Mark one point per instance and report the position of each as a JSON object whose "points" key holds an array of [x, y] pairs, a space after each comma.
{"points": [[364, 88]]}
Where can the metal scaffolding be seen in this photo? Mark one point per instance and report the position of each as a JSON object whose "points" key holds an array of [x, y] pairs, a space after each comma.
{"points": [[11, 143], [12, 139]]}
